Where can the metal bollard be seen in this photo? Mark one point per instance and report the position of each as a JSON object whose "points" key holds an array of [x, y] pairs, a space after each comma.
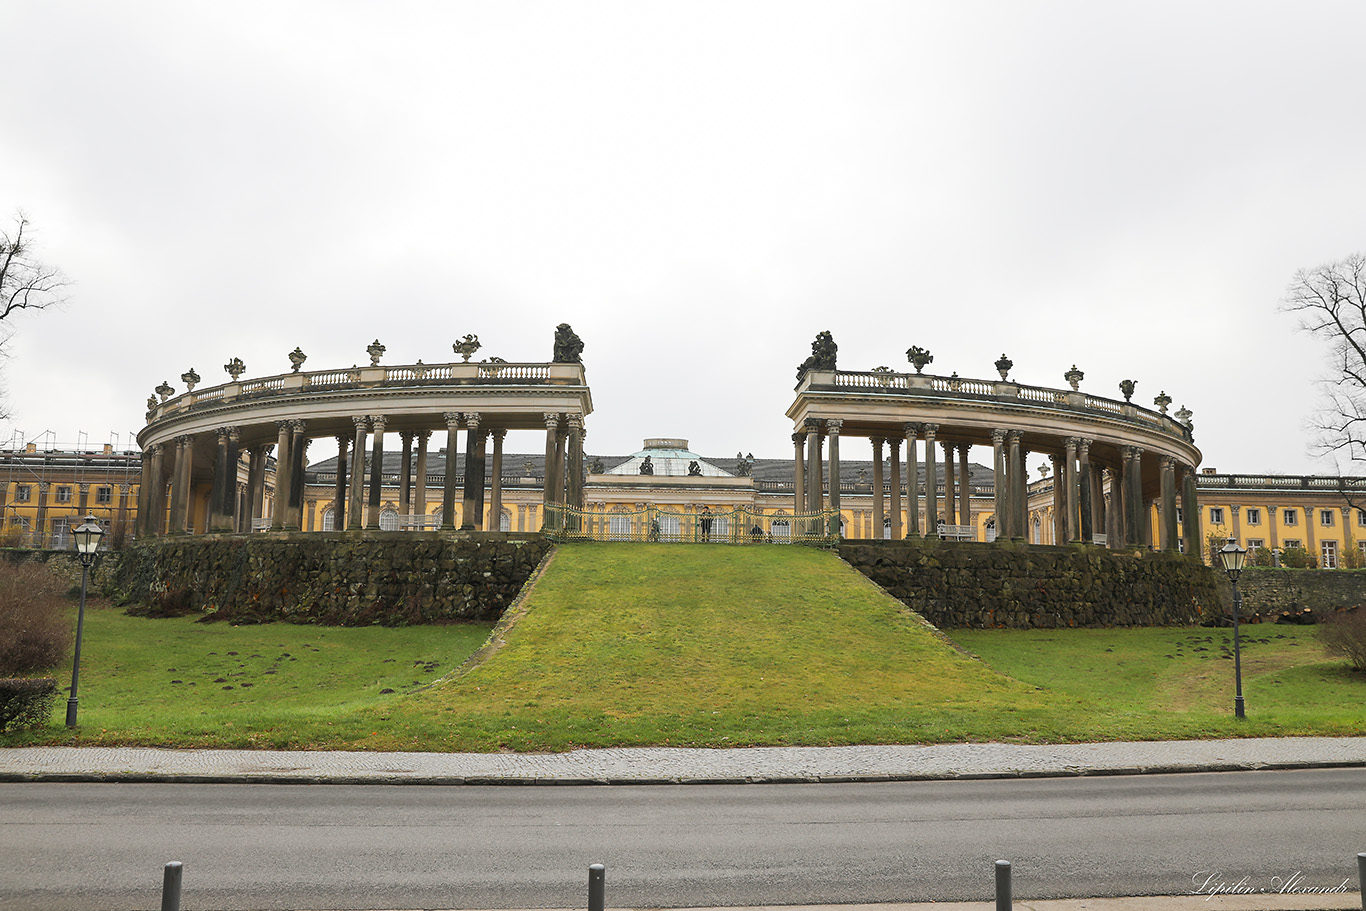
{"points": [[1003, 898], [170, 886], [597, 876], [1361, 878]]}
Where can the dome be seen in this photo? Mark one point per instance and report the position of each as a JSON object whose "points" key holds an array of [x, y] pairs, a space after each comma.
{"points": [[669, 457]]}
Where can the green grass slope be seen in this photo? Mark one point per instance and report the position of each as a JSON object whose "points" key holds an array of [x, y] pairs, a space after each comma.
{"points": [[708, 644]]}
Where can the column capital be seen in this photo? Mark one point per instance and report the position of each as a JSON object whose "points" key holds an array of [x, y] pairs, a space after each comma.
{"points": [[1346, 512], [154, 449], [1271, 512], [813, 425], [342, 441], [1083, 448], [552, 420], [910, 431], [1072, 443], [949, 446], [125, 488], [799, 437], [930, 431], [998, 437], [377, 421], [877, 442], [422, 435], [84, 488], [188, 440], [575, 421], [1014, 436], [499, 433], [833, 425], [361, 421], [405, 437], [452, 419], [964, 447], [894, 444], [1237, 509], [1167, 462], [284, 426]]}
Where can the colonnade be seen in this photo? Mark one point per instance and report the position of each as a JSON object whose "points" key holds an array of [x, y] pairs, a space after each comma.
{"points": [[1082, 510], [167, 493]]}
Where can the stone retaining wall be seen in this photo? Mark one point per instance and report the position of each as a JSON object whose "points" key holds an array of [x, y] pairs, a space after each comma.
{"points": [[1021, 586], [341, 579], [1269, 590]]}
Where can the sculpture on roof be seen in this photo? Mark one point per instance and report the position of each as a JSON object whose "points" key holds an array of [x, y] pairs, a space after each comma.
{"points": [[744, 468], [694, 470], [822, 357], [647, 466], [568, 346]]}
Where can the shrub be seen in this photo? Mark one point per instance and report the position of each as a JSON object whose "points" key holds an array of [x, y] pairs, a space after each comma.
{"points": [[26, 702], [1299, 558], [35, 629], [1352, 558], [1261, 556], [1343, 633]]}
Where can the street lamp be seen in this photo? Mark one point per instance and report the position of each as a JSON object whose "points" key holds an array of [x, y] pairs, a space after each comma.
{"points": [[87, 542], [1233, 558]]}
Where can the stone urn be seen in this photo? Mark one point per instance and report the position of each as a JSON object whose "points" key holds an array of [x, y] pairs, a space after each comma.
{"points": [[376, 351], [190, 379], [235, 368], [1003, 365], [1074, 377], [919, 357], [297, 358]]}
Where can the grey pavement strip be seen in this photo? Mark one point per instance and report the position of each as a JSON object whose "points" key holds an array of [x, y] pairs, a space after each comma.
{"points": [[1332, 902], [671, 765]]}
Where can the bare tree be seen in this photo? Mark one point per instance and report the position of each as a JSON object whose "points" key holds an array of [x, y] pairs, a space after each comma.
{"points": [[25, 283], [1330, 301]]}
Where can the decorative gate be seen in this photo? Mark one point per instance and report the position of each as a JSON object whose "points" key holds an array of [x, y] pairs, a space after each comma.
{"points": [[656, 524]]}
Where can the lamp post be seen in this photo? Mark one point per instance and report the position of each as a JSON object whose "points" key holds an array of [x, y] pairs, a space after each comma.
{"points": [[87, 542], [1233, 558]]}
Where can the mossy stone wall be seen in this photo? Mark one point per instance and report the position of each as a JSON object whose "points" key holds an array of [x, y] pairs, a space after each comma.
{"points": [[340, 579], [1268, 590], [1018, 586]]}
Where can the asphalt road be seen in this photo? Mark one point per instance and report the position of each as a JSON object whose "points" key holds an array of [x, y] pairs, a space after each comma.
{"points": [[84, 846]]}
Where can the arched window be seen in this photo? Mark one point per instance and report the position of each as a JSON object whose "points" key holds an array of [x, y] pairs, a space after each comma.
{"points": [[329, 519], [388, 519], [619, 527], [886, 529], [504, 521], [435, 519], [669, 528]]}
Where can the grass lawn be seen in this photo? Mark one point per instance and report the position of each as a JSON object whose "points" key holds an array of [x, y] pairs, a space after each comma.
{"points": [[704, 645]]}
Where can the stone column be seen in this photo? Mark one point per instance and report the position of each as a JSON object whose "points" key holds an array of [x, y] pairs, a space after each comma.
{"points": [[912, 432], [1169, 531], [1271, 520], [894, 461], [1000, 484], [878, 516], [965, 490], [496, 483], [452, 419], [377, 422], [832, 427], [223, 502], [562, 463], [1133, 496], [405, 475], [574, 463], [470, 519], [1073, 503], [481, 462], [420, 494], [355, 513], [798, 472], [156, 500], [813, 471], [1086, 504], [298, 452], [124, 491], [1059, 498], [311, 511], [144, 524], [283, 461], [182, 519], [950, 495], [1019, 484], [339, 491], [550, 498], [931, 484], [1114, 509]]}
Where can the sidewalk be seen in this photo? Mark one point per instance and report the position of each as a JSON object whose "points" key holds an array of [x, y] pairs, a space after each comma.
{"points": [[664, 765]]}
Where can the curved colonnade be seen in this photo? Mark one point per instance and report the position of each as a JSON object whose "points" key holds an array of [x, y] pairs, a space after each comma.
{"points": [[1112, 459], [219, 440]]}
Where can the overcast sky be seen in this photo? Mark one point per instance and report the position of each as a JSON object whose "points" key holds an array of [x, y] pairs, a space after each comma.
{"points": [[698, 188]]}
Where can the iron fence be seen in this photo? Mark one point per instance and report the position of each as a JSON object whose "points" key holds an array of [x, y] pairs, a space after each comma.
{"points": [[655, 524]]}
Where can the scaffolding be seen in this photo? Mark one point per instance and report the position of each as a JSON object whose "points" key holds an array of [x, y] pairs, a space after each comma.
{"points": [[48, 487]]}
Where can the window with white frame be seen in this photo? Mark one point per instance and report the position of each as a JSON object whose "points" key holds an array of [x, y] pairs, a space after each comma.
{"points": [[1326, 517], [1330, 554], [23, 493], [1293, 542], [1291, 516], [1254, 543], [1216, 515], [104, 494], [329, 519], [1254, 516], [63, 494], [388, 519]]}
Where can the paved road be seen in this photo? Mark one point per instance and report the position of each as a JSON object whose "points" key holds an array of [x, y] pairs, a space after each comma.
{"points": [[76, 845]]}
